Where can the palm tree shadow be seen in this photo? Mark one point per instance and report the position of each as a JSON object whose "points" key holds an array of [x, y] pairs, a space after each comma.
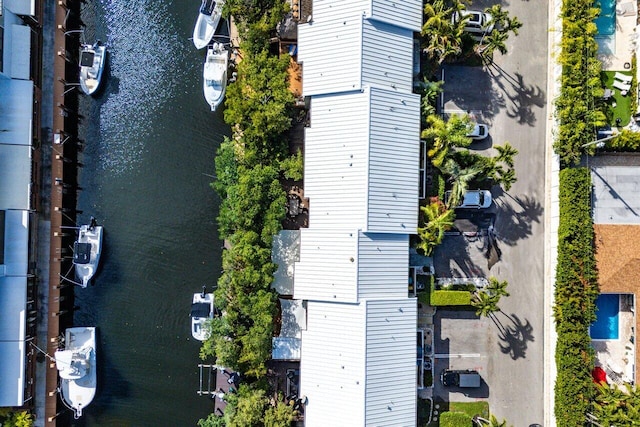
{"points": [[525, 98], [514, 336], [515, 223]]}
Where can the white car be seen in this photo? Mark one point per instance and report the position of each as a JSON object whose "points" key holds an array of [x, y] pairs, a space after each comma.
{"points": [[479, 132], [477, 23], [473, 199]]}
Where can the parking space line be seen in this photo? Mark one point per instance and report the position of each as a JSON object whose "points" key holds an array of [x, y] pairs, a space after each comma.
{"points": [[455, 355]]}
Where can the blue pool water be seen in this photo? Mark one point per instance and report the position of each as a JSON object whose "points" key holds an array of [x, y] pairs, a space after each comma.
{"points": [[606, 325], [606, 22]]}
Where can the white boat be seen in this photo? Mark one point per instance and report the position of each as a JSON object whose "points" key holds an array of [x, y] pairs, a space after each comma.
{"points": [[76, 365], [208, 20], [92, 60], [215, 74], [201, 311], [86, 252]]}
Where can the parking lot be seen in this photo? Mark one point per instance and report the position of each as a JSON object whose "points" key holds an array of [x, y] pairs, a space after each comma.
{"points": [[510, 96]]}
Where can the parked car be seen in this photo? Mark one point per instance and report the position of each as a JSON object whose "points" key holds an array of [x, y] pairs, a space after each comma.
{"points": [[473, 199], [479, 132], [477, 23], [464, 379]]}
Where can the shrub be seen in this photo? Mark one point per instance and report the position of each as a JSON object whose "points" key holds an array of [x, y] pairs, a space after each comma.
{"points": [[580, 81], [626, 141], [575, 294]]}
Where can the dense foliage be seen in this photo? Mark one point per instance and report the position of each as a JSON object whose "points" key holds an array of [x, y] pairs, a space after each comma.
{"points": [[249, 169], [577, 108], [10, 418], [575, 294]]}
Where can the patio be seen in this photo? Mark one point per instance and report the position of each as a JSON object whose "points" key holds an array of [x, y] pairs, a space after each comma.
{"points": [[616, 357], [615, 51]]}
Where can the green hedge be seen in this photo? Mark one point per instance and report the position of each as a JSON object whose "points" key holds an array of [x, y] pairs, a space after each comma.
{"points": [[575, 294], [447, 298], [578, 107]]}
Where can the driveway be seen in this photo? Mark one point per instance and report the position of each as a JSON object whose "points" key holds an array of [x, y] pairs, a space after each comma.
{"points": [[510, 96]]}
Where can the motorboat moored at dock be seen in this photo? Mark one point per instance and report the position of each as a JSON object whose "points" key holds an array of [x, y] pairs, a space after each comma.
{"points": [[76, 365], [215, 75], [92, 60], [86, 252], [207, 22], [201, 311]]}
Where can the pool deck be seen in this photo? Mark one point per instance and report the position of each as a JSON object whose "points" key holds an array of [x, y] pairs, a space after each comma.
{"points": [[623, 47]]}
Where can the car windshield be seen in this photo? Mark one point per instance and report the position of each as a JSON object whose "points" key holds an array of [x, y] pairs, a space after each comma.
{"points": [[481, 199]]}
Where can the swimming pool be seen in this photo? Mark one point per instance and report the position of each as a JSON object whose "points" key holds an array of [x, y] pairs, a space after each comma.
{"points": [[606, 22], [606, 325]]}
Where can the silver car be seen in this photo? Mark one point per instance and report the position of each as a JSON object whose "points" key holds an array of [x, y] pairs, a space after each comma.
{"points": [[477, 23], [473, 199], [479, 132]]}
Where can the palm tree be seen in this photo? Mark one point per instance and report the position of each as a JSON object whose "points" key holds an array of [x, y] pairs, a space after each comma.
{"points": [[492, 422], [459, 178], [429, 91], [443, 136], [444, 38], [493, 41], [484, 303], [437, 220], [486, 300], [506, 153], [497, 288]]}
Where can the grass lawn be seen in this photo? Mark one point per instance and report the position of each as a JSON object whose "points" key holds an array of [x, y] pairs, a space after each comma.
{"points": [[470, 408], [622, 107]]}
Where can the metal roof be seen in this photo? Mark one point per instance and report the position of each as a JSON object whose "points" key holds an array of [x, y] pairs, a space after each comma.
{"points": [[361, 161], [349, 265], [353, 52], [401, 13], [358, 363], [13, 295], [16, 112]]}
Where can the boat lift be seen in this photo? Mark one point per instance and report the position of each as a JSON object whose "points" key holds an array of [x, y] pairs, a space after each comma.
{"points": [[210, 371]]}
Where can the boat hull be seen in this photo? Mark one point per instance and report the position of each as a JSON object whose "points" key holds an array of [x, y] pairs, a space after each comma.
{"points": [[77, 394], [93, 237], [92, 69], [214, 84], [199, 320], [206, 25]]}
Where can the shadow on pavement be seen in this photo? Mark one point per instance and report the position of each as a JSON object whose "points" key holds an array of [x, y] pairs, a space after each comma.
{"points": [[514, 335]]}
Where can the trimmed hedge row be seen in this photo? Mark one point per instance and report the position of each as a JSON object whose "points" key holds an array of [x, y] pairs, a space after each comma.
{"points": [[581, 89], [575, 294], [446, 298]]}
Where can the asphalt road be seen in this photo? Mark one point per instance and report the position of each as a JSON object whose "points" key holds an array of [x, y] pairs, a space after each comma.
{"points": [[509, 96]]}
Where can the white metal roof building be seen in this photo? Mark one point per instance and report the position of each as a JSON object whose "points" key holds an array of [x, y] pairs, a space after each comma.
{"points": [[350, 266], [16, 114], [358, 364], [358, 355], [362, 159], [353, 52]]}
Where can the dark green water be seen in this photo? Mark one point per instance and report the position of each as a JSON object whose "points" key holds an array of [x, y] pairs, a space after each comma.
{"points": [[148, 160]]}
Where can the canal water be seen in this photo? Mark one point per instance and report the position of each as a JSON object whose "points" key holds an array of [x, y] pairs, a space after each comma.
{"points": [[148, 160]]}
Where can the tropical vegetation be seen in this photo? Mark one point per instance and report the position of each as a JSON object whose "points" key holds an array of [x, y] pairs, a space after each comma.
{"points": [[444, 38], [9, 418], [575, 293], [249, 168], [577, 107], [486, 300]]}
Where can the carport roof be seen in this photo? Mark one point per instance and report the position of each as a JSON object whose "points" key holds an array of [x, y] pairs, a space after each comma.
{"points": [[615, 194]]}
